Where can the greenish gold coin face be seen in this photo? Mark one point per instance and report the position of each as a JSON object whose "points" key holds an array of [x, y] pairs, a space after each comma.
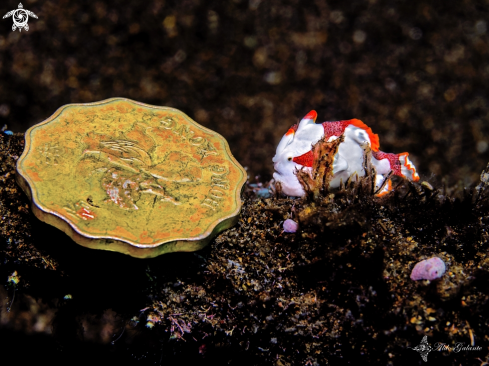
{"points": [[129, 177]]}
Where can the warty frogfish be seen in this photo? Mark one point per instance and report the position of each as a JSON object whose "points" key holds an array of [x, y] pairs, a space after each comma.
{"points": [[294, 152]]}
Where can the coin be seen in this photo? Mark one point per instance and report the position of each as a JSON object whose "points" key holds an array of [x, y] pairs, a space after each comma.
{"points": [[125, 176]]}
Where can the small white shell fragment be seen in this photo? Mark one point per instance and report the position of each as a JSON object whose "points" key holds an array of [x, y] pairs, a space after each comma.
{"points": [[429, 269], [290, 226]]}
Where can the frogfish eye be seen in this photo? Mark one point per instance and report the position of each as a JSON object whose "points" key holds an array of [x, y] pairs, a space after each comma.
{"points": [[290, 159]]}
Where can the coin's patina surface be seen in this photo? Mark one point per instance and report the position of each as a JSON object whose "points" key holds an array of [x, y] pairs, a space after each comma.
{"points": [[125, 176]]}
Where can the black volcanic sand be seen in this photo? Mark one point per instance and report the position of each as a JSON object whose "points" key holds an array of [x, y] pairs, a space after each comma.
{"points": [[338, 291]]}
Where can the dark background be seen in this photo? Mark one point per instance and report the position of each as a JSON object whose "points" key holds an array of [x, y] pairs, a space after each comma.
{"points": [[414, 71]]}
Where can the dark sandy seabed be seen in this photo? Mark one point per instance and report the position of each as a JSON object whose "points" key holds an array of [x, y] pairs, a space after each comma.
{"points": [[336, 292]]}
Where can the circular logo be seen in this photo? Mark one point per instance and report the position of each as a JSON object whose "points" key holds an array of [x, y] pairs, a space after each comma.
{"points": [[20, 18]]}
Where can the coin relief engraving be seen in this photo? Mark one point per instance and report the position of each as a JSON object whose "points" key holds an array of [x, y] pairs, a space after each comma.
{"points": [[81, 210], [50, 152], [130, 170], [218, 182], [122, 170], [205, 147]]}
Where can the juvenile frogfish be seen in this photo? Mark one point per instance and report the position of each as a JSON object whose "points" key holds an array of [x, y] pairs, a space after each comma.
{"points": [[294, 152]]}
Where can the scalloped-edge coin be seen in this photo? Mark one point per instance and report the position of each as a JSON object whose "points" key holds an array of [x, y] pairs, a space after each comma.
{"points": [[125, 176]]}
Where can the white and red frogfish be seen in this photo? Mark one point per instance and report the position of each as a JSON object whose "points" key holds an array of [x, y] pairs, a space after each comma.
{"points": [[294, 152]]}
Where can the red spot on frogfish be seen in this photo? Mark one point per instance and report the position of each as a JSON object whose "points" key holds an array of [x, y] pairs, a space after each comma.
{"points": [[305, 159], [393, 161]]}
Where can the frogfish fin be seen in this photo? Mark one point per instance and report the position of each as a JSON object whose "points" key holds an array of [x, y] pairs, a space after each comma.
{"points": [[408, 169], [399, 163], [311, 115], [308, 119], [387, 189], [374, 138], [292, 130]]}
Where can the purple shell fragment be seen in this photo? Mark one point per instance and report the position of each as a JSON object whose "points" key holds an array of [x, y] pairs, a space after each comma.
{"points": [[429, 269], [290, 226]]}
